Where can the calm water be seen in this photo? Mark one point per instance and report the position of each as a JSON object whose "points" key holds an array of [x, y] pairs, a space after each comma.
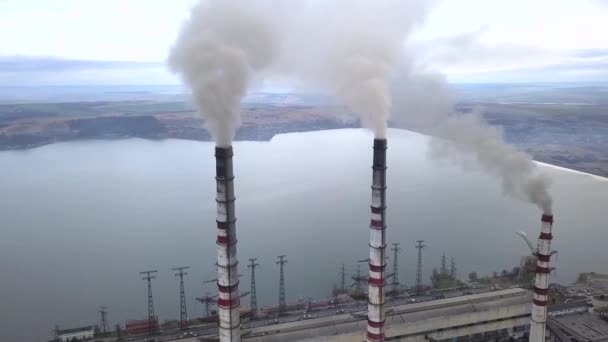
{"points": [[80, 220]]}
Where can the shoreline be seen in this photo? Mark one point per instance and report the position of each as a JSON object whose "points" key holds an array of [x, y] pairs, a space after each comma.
{"points": [[600, 178]]}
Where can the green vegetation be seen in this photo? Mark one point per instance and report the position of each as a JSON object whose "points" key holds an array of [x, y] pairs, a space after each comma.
{"points": [[504, 278]]}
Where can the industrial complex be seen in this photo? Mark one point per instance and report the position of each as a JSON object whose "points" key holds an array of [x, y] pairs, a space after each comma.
{"points": [[461, 310]]}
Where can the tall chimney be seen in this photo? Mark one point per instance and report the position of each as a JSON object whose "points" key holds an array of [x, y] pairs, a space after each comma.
{"points": [[377, 245], [227, 275], [538, 323]]}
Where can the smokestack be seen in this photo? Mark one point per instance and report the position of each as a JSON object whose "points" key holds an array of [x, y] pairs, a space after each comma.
{"points": [[227, 275], [541, 285], [377, 245]]}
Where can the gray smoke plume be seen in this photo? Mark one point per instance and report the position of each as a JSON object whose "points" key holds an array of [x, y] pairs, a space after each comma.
{"points": [[217, 51], [468, 138], [352, 49], [424, 102]]}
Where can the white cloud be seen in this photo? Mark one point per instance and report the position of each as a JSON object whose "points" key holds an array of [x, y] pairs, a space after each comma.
{"points": [[461, 37]]}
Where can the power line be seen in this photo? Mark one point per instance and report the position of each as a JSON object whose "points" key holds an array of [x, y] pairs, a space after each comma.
{"points": [[395, 282], [453, 272], [282, 302], [207, 300], [444, 265], [359, 279], [183, 313], [151, 316], [343, 278], [253, 299], [419, 246], [104, 319]]}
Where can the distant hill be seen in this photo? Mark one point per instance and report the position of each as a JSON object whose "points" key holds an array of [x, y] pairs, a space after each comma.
{"points": [[560, 124]]}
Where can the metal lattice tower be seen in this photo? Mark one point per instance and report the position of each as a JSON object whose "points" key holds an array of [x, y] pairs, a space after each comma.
{"points": [[104, 320], [359, 279], [207, 300], [358, 283], [183, 313], [343, 278], [453, 272], [419, 246], [253, 304], [151, 317], [282, 302], [395, 282], [444, 265]]}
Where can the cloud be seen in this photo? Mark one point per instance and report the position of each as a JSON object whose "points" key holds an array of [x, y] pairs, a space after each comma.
{"points": [[28, 71], [466, 52], [467, 58], [15, 64], [592, 53]]}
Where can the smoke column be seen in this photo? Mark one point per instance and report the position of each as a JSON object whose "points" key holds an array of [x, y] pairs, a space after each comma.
{"points": [[424, 102], [468, 136], [351, 49], [217, 51]]}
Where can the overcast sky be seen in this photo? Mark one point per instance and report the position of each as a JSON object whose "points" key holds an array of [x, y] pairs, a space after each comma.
{"points": [[127, 41]]}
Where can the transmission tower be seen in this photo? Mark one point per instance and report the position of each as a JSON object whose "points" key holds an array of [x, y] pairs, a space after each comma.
{"points": [[453, 272], [253, 299], [207, 300], [395, 282], [358, 284], [419, 246], [282, 303], [56, 331], [151, 317], [183, 313], [444, 265], [343, 278], [104, 319], [359, 279]]}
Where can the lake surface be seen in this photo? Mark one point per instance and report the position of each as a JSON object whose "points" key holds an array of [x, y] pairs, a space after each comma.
{"points": [[80, 220]]}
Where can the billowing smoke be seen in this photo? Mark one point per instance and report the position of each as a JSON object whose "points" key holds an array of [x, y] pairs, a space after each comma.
{"points": [[424, 102], [352, 49], [363, 53], [359, 51], [468, 138], [217, 51]]}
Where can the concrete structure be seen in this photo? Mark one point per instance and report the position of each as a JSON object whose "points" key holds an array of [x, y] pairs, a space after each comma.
{"points": [[474, 315], [227, 275], [567, 308], [377, 245], [541, 284], [580, 327], [80, 334]]}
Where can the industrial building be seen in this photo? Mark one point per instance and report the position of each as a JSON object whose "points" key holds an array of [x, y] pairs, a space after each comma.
{"points": [[141, 326], [498, 315], [76, 334], [578, 326]]}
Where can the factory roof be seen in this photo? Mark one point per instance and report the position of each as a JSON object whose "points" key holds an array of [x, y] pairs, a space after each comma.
{"points": [[567, 306], [419, 318], [583, 326], [75, 330]]}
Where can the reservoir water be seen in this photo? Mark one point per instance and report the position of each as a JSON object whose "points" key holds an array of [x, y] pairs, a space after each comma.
{"points": [[80, 220]]}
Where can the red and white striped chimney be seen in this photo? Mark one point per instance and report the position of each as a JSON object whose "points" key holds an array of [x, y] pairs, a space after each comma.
{"points": [[538, 323], [227, 276], [377, 245]]}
